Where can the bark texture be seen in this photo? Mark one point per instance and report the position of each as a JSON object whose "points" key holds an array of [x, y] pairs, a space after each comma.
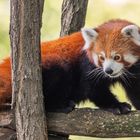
{"points": [[25, 24], [84, 122], [95, 123], [73, 16]]}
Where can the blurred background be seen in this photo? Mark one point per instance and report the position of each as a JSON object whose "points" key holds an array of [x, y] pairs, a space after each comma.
{"points": [[98, 12]]}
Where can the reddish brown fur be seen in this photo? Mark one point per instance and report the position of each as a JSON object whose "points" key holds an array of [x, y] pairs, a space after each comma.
{"points": [[66, 49], [110, 38], [5, 81]]}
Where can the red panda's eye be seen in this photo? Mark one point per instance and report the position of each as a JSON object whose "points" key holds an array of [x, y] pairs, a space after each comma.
{"points": [[101, 58], [117, 57]]}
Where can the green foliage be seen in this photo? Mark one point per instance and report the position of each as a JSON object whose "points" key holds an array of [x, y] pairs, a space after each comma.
{"points": [[98, 11], [51, 20], [4, 25]]}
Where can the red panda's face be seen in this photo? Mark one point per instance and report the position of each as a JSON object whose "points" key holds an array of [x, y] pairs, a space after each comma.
{"points": [[113, 57], [114, 49]]}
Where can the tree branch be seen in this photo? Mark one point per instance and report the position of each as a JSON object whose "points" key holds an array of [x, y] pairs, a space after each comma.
{"points": [[73, 16], [87, 122], [95, 123]]}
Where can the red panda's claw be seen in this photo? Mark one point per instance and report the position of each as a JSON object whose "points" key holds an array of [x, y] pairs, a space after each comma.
{"points": [[123, 108], [114, 110]]}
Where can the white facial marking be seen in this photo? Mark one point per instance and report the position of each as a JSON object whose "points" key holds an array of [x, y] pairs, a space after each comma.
{"points": [[107, 64], [103, 54], [130, 58], [115, 66], [132, 31], [95, 58], [89, 36], [113, 53]]}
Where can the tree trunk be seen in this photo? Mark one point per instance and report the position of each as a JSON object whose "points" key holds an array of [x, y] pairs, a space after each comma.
{"points": [[25, 24], [73, 16]]}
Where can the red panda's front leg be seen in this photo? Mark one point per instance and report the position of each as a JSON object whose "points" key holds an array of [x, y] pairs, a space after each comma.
{"points": [[133, 93], [103, 98]]}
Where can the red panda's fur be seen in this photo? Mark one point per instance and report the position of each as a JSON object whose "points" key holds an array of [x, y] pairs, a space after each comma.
{"points": [[109, 38], [5, 81], [57, 52], [66, 49], [69, 71]]}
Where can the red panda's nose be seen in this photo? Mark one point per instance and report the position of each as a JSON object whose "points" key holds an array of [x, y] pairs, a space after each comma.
{"points": [[109, 71]]}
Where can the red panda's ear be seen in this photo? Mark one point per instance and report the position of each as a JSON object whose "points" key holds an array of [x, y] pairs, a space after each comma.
{"points": [[132, 31], [89, 36]]}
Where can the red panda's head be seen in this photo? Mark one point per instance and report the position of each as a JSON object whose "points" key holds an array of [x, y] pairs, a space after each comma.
{"points": [[113, 46]]}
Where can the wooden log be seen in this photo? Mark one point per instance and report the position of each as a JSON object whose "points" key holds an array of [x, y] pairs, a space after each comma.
{"points": [[7, 134], [7, 125], [95, 123], [86, 122]]}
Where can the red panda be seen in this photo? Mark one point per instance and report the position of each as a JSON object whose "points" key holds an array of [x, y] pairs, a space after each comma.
{"points": [[83, 66]]}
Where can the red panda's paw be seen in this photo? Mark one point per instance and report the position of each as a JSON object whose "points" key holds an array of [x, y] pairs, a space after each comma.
{"points": [[123, 108], [65, 109], [69, 108]]}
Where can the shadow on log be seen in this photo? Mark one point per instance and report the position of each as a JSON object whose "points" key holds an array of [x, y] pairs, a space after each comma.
{"points": [[83, 122]]}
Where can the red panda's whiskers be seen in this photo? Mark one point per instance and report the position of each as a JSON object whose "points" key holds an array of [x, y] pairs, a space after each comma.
{"points": [[94, 71], [128, 74], [126, 78], [102, 75], [99, 76], [90, 72], [123, 78], [96, 74]]}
